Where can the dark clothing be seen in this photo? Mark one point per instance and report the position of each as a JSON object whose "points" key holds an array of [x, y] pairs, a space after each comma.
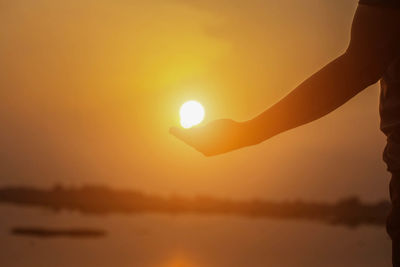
{"points": [[384, 3], [390, 115], [393, 220], [390, 126]]}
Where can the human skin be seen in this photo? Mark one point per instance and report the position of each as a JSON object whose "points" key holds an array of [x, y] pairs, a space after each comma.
{"points": [[374, 44]]}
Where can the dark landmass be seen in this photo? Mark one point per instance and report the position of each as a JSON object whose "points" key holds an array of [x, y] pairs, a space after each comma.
{"points": [[103, 200], [52, 233]]}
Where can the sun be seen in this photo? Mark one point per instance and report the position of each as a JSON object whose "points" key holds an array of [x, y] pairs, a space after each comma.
{"points": [[191, 113]]}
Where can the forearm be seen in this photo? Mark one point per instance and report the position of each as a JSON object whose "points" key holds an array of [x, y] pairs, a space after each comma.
{"points": [[319, 95], [374, 44]]}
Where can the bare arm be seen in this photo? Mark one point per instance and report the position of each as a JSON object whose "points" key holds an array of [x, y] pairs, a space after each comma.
{"points": [[374, 45]]}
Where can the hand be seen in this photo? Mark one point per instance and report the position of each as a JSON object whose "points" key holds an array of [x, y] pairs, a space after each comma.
{"points": [[217, 137]]}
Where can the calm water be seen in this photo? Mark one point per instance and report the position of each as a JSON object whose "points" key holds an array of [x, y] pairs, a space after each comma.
{"points": [[189, 241]]}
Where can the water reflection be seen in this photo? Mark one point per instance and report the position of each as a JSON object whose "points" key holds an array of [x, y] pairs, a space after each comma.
{"points": [[42, 232], [159, 240], [179, 261]]}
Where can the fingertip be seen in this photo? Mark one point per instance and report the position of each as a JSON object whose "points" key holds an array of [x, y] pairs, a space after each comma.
{"points": [[177, 132], [172, 130]]}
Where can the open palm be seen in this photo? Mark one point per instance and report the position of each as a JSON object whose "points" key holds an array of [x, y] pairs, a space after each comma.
{"points": [[216, 137]]}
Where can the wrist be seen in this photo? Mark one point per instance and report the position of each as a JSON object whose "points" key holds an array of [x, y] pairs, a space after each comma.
{"points": [[254, 131]]}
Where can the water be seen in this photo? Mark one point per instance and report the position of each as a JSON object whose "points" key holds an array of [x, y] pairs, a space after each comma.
{"points": [[154, 240]]}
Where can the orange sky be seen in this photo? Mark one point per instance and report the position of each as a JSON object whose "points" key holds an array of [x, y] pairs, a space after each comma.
{"points": [[88, 90]]}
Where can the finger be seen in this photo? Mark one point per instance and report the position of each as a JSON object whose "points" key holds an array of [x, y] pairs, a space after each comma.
{"points": [[177, 132], [181, 134]]}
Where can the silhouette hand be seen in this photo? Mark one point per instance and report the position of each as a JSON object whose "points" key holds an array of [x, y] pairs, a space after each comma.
{"points": [[217, 137]]}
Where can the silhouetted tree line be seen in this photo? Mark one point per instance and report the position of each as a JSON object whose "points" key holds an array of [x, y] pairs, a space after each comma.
{"points": [[103, 200]]}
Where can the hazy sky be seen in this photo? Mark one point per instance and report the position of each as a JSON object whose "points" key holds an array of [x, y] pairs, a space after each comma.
{"points": [[88, 90]]}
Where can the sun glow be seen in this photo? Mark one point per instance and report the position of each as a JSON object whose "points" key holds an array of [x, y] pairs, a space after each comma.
{"points": [[191, 113]]}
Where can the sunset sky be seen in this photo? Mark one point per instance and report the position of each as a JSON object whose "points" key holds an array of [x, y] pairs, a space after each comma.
{"points": [[89, 89]]}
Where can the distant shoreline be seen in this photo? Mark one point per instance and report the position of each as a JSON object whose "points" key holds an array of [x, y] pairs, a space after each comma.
{"points": [[100, 200]]}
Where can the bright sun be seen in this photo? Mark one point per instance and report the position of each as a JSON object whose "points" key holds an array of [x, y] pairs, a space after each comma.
{"points": [[191, 113]]}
